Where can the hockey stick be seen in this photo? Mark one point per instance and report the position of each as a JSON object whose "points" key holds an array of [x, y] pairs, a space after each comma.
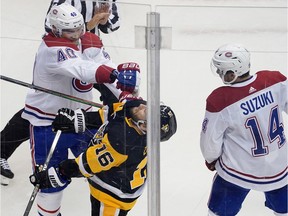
{"points": [[49, 91], [45, 165]]}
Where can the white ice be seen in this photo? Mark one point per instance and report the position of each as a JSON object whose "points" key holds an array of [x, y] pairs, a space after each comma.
{"points": [[197, 29]]}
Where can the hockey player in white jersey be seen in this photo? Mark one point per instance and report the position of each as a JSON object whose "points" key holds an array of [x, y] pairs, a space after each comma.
{"points": [[69, 60], [99, 17], [243, 134]]}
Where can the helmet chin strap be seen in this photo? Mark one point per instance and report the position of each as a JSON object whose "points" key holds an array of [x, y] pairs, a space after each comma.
{"points": [[137, 123]]}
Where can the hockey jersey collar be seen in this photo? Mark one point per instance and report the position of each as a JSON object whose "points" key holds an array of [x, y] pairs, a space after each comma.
{"points": [[52, 41], [246, 82]]}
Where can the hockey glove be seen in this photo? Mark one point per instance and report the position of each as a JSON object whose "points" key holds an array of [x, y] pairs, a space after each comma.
{"points": [[127, 96], [48, 178], [211, 166], [68, 120], [128, 77]]}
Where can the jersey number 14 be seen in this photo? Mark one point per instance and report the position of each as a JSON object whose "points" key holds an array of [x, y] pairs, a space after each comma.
{"points": [[275, 132]]}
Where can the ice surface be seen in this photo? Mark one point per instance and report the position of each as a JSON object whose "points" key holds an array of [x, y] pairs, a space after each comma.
{"points": [[186, 81]]}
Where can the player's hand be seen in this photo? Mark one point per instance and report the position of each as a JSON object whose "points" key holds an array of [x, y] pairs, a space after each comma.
{"points": [[101, 16], [102, 12], [128, 77], [48, 178], [211, 166], [68, 120]]}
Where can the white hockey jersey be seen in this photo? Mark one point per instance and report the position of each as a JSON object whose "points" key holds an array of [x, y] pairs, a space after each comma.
{"points": [[243, 128], [64, 67]]}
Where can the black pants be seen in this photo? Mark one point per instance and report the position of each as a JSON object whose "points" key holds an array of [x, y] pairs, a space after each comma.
{"points": [[15, 132]]}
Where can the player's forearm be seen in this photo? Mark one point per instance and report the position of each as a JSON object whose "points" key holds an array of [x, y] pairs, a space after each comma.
{"points": [[92, 24], [96, 20], [93, 120], [70, 168]]}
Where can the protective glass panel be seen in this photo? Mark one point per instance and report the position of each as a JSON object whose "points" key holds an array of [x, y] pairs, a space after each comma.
{"points": [[186, 81]]}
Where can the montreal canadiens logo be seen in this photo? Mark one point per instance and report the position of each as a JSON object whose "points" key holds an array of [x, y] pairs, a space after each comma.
{"points": [[228, 54], [55, 11], [81, 86]]}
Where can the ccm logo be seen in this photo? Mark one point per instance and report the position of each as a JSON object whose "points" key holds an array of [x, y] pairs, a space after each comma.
{"points": [[130, 65]]}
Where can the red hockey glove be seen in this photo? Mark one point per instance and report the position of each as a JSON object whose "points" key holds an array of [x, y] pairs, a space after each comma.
{"points": [[127, 96], [128, 77]]}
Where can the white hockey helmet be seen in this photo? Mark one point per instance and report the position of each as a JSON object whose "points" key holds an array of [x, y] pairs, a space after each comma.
{"points": [[65, 17], [231, 57]]}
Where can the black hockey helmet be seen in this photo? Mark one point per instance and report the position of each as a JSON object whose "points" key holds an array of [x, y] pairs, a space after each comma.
{"points": [[130, 104], [134, 103], [168, 123]]}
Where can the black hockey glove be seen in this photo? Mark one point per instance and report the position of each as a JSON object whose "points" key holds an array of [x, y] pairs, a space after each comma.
{"points": [[68, 120], [48, 178], [211, 166]]}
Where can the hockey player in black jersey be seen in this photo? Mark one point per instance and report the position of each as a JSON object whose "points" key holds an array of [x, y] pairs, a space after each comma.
{"points": [[115, 162]]}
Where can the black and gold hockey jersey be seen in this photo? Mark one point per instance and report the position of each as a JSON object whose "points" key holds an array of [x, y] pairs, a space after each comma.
{"points": [[115, 163]]}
